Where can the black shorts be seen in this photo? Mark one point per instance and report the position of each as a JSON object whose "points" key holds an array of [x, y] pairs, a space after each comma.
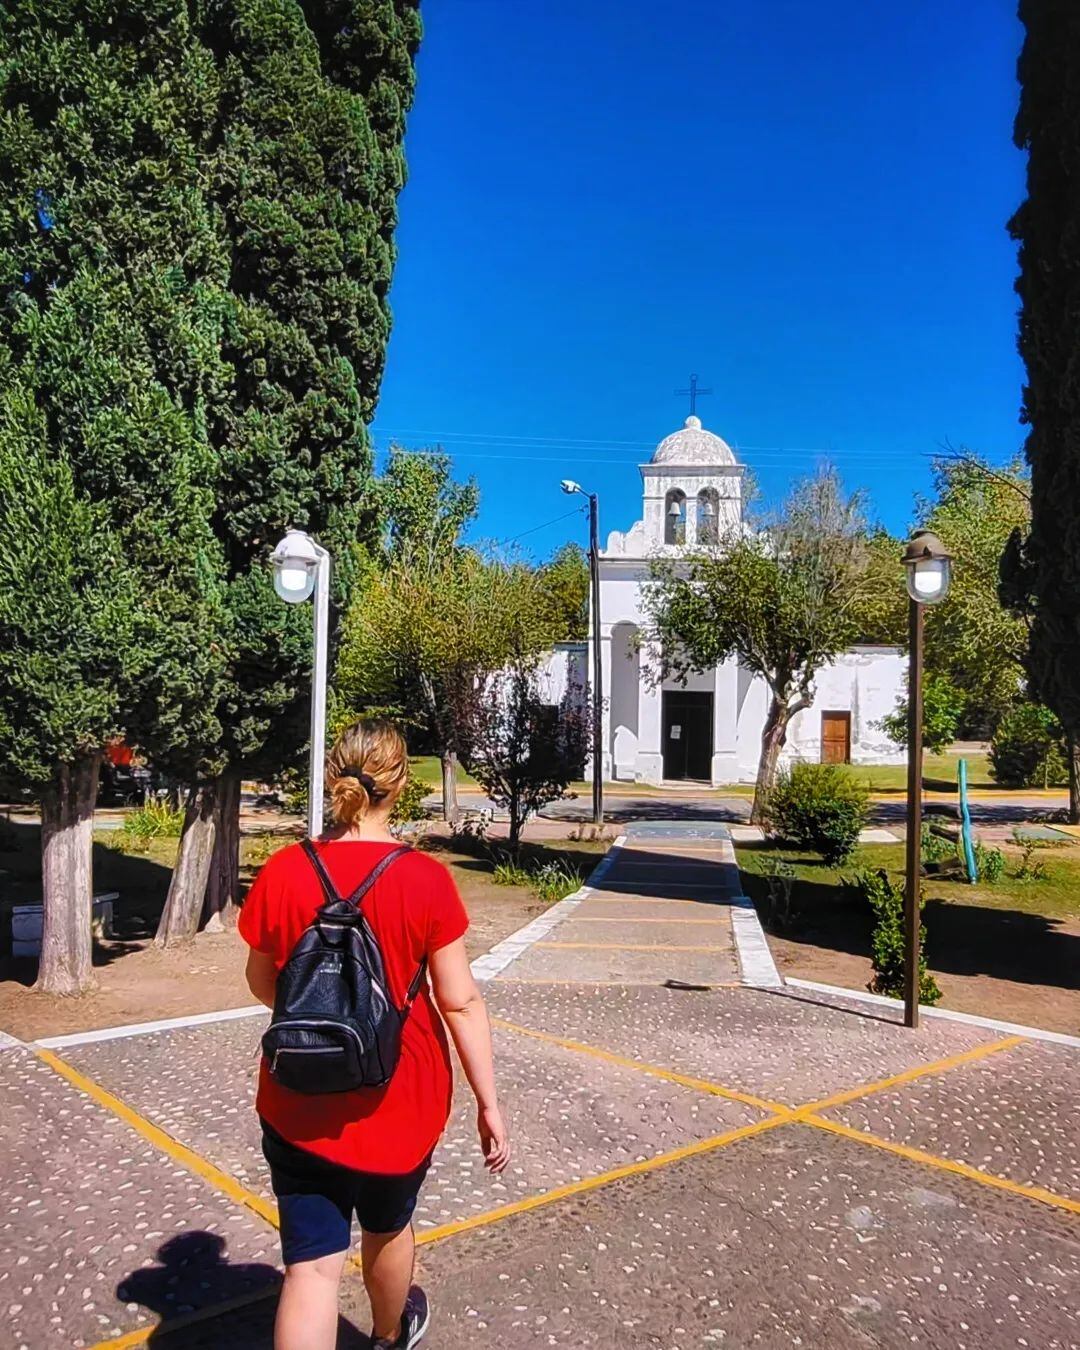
{"points": [[317, 1199]]}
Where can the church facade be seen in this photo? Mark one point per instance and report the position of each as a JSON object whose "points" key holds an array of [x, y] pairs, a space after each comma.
{"points": [[708, 729]]}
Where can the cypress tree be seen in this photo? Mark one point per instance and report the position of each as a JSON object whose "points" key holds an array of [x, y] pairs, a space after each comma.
{"points": [[1042, 576], [304, 185], [110, 319]]}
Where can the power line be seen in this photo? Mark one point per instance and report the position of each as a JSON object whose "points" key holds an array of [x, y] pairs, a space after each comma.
{"points": [[577, 511], [513, 440], [767, 458]]}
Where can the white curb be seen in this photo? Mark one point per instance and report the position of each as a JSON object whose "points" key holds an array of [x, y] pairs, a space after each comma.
{"points": [[146, 1028], [756, 964]]}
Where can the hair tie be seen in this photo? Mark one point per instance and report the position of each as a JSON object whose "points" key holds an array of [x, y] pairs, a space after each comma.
{"points": [[364, 779]]}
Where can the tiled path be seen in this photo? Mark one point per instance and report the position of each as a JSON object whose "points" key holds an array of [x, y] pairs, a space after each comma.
{"points": [[693, 1167]]}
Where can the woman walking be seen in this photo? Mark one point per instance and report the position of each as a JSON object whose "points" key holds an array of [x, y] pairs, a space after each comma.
{"points": [[365, 1152]]}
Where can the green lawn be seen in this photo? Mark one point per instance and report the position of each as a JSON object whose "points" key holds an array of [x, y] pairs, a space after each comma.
{"points": [[1058, 896], [939, 772], [428, 769]]}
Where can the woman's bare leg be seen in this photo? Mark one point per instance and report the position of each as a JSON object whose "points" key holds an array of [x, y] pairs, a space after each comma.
{"points": [[388, 1270], [307, 1315]]}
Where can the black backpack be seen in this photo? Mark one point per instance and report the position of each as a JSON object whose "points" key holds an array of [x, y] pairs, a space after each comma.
{"points": [[335, 1027]]}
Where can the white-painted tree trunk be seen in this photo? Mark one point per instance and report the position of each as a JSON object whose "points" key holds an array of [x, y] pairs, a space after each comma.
{"points": [[67, 880]]}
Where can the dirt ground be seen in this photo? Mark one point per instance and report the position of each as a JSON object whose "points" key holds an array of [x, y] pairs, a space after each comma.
{"points": [[1034, 1005], [136, 982]]}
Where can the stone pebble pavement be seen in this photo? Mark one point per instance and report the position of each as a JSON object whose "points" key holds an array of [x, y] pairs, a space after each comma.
{"points": [[668, 1186]]}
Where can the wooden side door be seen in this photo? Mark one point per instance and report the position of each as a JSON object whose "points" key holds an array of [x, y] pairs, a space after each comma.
{"points": [[836, 738]]}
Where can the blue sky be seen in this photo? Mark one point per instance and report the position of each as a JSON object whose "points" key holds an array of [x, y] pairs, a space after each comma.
{"points": [[805, 204]]}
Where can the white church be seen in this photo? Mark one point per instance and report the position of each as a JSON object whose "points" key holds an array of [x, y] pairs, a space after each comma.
{"points": [[709, 729]]}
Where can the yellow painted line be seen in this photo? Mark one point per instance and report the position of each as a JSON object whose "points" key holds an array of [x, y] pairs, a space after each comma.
{"points": [[634, 1169], [194, 1162], [959, 1169], [653, 1071], [910, 1075], [625, 947]]}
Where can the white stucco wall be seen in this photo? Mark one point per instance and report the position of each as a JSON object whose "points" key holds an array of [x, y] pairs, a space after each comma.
{"points": [[563, 668]]}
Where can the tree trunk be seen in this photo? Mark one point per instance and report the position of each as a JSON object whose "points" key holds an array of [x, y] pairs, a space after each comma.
{"points": [[772, 742], [67, 878], [450, 809], [223, 884], [183, 907], [1074, 781]]}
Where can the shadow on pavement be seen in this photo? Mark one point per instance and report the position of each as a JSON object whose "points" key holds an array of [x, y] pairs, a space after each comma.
{"points": [[192, 1272]]}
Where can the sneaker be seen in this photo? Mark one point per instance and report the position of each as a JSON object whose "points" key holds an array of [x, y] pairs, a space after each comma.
{"points": [[414, 1322]]}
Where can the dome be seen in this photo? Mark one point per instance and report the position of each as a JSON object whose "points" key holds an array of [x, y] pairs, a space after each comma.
{"points": [[692, 444]]}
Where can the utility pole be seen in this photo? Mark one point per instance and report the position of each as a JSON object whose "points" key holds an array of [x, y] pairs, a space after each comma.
{"points": [[597, 680]]}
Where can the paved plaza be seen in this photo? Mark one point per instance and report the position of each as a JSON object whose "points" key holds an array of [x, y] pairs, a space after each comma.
{"points": [[699, 1161]]}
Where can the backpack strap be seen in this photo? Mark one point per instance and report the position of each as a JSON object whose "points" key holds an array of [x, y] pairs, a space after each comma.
{"points": [[329, 889], [415, 987], [376, 872], [332, 896]]}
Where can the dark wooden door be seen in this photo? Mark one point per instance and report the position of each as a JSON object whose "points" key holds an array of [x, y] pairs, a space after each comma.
{"points": [[836, 738], [687, 729]]}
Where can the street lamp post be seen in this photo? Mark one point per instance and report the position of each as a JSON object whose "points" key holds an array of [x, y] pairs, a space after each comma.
{"points": [[301, 567], [570, 487], [929, 571]]}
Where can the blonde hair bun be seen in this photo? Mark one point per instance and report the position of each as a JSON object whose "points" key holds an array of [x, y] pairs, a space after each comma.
{"points": [[368, 766]]}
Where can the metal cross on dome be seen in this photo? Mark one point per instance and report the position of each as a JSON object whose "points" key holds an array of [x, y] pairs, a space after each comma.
{"points": [[694, 392]]}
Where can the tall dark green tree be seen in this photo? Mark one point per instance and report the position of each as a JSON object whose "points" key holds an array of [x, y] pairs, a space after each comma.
{"points": [[110, 321], [1043, 571], [303, 182]]}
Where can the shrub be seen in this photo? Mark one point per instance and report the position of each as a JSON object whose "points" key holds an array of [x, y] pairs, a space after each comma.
{"points": [[886, 899], [508, 872], [1028, 749], [410, 805], [1031, 868], [935, 847], [820, 807], [989, 862], [780, 878], [555, 881], [154, 820]]}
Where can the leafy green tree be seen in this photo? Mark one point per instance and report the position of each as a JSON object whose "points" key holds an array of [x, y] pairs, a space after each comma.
{"points": [[972, 641], [1028, 749], [303, 178], [565, 577], [943, 707], [1042, 570], [785, 598], [111, 316], [423, 508], [422, 635], [884, 613]]}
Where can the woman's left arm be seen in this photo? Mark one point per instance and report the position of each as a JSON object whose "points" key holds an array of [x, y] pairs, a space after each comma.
{"points": [[262, 976]]}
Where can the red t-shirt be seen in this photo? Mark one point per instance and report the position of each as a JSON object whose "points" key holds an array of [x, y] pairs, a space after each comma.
{"points": [[414, 909]]}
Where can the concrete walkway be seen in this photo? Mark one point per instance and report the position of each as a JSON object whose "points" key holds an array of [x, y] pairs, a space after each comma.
{"points": [[695, 1163], [660, 915]]}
